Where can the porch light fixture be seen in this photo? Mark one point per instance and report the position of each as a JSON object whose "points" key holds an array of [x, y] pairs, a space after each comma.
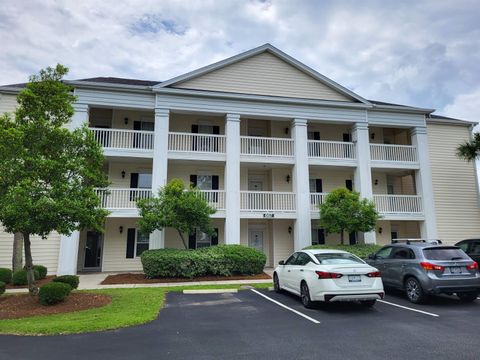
{"points": [[286, 131], [123, 174], [372, 136], [120, 229], [125, 120], [380, 230], [376, 181], [289, 229], [288, 179]]}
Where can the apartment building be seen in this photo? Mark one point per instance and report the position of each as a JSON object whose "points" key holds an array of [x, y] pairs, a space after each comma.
{"points": [[265, 138]]}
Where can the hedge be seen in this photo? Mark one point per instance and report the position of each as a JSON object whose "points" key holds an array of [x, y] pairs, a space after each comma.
{"points": [[19, 277], [42, 271], [72, 280], [222, 260], [5, 275], [53, 293], [362, 251], [2, 287]]}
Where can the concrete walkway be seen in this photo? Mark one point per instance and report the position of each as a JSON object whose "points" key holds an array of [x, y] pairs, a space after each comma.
{"points": [[93, 282]]}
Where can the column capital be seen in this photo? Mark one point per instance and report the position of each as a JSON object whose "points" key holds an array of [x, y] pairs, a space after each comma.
{"points": [[162, 111], [360, 126], [232, 117], [419, 130], [299, 122]]}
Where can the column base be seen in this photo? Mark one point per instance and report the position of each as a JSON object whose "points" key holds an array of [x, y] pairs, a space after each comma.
{"points": [[68, 255]]}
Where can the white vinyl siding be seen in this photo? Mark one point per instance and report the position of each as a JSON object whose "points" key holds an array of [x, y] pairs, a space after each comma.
{"points": [[264, 74], [454, 184], [8, 103]]}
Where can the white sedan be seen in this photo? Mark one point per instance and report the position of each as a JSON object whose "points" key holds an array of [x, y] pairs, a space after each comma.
{"points": [[328, 276]]}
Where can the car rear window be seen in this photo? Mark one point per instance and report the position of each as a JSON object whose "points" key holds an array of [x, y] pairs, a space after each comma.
{"points": [[445, 254], [333, 259]]}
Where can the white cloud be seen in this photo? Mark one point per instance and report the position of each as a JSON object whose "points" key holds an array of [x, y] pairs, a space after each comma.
{"points": [[465, 106]]}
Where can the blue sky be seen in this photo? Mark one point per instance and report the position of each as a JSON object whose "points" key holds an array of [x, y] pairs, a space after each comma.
{"points": [[423, 53]]}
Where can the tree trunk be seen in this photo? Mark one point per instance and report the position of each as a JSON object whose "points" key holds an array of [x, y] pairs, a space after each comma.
{"points": [[183, 239], [342, 236], [32, 288], [17, 257]]}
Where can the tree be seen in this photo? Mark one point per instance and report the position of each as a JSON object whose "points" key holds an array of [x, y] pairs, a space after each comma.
{"points": [[17, 258], [178, 207], [470, 150], [343, 210], [48, 173]]}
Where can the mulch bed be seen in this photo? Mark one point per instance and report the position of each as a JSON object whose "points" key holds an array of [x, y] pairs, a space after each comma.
{"points": [[38, 283], [139, 278], [25, 305]]}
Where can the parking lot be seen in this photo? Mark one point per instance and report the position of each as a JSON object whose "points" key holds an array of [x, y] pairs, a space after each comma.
{"points": [[262, 324]]}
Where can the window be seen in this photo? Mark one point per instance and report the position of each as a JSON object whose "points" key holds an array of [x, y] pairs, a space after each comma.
{"points": [[292, 259], [318, 236], [403, 253], [144, 181], [384, 253], [142, 243], [316, 185], [445, 253], [313, 135], [202, 240], [204, 182], [338, 258], [302, 259], [464, 246]]}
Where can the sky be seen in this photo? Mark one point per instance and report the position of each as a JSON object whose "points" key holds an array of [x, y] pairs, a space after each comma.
{"points": [[420, 53]]}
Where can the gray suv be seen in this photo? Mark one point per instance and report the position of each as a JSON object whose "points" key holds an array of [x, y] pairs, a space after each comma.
{"points": [[422, 268]]}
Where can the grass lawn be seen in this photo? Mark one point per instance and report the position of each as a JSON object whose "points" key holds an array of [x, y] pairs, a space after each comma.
{"points": [[128, 307]]}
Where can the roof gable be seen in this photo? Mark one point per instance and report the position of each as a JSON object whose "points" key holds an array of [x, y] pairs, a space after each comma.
{"points": [[263, 71]]}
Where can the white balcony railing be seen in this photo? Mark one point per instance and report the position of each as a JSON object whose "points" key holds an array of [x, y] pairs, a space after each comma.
{"points": [[267, 201], [337, 150], [124, 139], [216, 198], [398, 204], [188, 142], [388, 152], [122, 198], [264, 146], [316, 199]]}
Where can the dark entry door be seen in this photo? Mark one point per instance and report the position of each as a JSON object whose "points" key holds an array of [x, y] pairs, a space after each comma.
{"points": [[93, 251]]}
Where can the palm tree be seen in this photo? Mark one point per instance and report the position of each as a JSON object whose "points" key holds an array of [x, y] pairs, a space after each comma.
{"points": [[470, 150]]}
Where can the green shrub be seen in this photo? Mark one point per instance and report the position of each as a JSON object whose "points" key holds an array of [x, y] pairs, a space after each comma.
{"points": [[2, 287], [72, 280], [53, 293], [362, 251], [19, 277], [42, 271], [5, 275], [222, 260]]}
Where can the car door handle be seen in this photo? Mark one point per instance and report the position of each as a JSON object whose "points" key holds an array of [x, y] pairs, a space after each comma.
{"points": [[288, 270], [301, 270]]}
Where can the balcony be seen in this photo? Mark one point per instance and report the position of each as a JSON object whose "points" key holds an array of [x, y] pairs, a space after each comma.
{"points": [[316, 199], [331, 152], [197, 143], [267, 149], [118, 142], [267, 204], [393, 156]]}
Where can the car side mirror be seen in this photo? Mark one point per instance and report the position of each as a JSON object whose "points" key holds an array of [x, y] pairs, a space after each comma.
{"points": [[281, 262], [372, 256]]}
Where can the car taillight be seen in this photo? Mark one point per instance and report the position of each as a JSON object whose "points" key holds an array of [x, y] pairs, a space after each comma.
{"points": [[328, 275], [374, 274], [473, 266], [430, 266]]}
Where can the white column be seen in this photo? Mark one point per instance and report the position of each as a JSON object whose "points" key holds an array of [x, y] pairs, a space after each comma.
{"points": [[423, 180], [301, 187], [232, 179], [68, 254], [159, 166], [363, 172]]}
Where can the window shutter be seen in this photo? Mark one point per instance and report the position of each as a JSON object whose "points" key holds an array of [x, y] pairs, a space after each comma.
{"points": [[215, 237], [131, 243], [318, 185], [137, 125], [349, 184], [321, 236], [316, 135], [215, 182], [195, 129], [193, 180], [352, 237], [134, 180], [192, 243], [216, 130]]}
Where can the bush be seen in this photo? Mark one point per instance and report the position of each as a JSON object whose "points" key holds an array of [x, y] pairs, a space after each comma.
{"points": [[42, 271], [362, 251], [19, 277], [72, 280], [53, 293], [2, 287], [222, 260], [5, 275]]}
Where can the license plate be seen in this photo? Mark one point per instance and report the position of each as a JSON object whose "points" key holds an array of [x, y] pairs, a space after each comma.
{"points": [[354, 278], [455, 269]]}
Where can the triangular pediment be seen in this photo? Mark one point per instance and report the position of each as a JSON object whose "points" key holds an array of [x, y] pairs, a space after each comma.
{"points": [[264, 71]]}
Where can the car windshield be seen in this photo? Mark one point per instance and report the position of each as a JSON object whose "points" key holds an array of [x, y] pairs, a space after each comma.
{"points": [[338, 258], [445, 253]]}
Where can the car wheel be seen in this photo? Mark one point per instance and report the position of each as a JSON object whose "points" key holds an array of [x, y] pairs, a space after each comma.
{"points": [[305, 294], [415, 291], [276, 284], [368, 303], [468, 296]]}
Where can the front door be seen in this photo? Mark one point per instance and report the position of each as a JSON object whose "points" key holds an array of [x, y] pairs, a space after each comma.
{"points": [[256, 239], [93, 251]]}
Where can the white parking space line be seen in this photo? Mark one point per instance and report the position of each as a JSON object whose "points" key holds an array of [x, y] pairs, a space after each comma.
{"points": [[286, 307], [408, 308]]}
